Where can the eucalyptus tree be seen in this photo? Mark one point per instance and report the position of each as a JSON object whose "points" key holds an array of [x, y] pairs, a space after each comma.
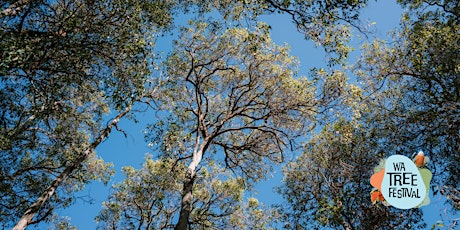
{"points": [[230, 97], [328, 185], [413, 88], [407, 100], [64, 64]]}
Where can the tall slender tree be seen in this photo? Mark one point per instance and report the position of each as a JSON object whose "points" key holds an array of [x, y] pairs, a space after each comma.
{"points": [[64, 64], [231, 96]]}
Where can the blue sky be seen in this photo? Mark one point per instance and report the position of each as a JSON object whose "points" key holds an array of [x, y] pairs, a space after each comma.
{"points": [[132, 149]]}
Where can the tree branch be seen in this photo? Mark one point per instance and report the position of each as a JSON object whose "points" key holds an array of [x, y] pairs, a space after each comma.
{"points": [[33, 209]]}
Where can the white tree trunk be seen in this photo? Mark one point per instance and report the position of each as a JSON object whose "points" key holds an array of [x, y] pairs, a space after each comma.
{"points": [[29, 214]]}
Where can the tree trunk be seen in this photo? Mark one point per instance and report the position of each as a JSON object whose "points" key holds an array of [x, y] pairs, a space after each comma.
{"points": [[28, 216], [186, 204], [190, 175]]}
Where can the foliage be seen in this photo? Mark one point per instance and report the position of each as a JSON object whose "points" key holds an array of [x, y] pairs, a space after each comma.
{"points": [[231, 91], [145, 199], [61, 223], [232, 105], [406, 100], [148, 198], [254, 215], [414, 88], [64, 64], [327, 23], [232, 88], [328, 185]]}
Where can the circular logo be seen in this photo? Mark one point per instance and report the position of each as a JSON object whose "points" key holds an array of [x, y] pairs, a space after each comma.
{"points": [[400, 182]]}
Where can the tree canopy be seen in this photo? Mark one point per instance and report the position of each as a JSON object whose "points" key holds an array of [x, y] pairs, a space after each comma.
{"points": [[230, 92], [228, 105]]}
